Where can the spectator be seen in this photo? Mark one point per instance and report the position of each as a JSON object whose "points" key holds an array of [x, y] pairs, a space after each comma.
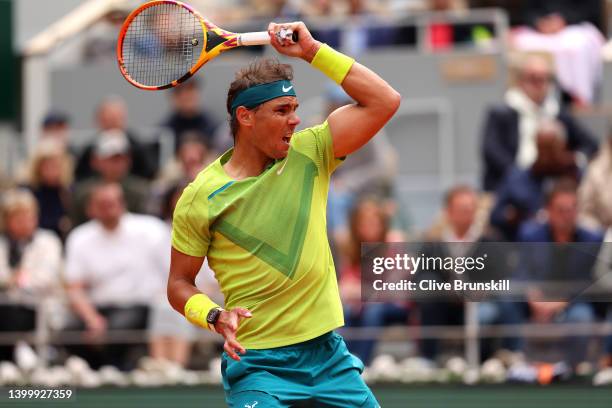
{"points": [[188, 116], [191, 158], [553, 16], [50, 179], [30, 263], [56, 124], [113, 269], [111, 159], [459, 237], [595, 193], [369, 223], [171, 335], [510, 127], [521, 193], [566, 29], [559, 262], [111, 115]]}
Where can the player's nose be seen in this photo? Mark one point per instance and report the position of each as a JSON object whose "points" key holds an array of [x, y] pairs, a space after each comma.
{"points": [[294, 119]]}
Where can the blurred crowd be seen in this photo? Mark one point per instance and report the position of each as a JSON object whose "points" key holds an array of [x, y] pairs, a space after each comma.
{"points": [[86, 231]]}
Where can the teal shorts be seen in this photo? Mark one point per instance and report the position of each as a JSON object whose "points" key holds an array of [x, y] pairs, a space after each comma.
{"points": [[316, 373]]}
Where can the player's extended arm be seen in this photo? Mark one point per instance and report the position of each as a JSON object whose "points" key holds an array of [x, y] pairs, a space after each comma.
{"points": [[354, 125], [181, 289]]}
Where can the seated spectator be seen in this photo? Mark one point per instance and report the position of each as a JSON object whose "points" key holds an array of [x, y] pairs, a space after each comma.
{"points": [[50, 179], [571, 265], [113, 270], [111, 115], [459, 236], [171, 336], [192, 156], [188, 117], [30, 263], [595, 192], [111, 159], [567, 30], [56, 125], [510, 127], [369, 223], [521, 193]]}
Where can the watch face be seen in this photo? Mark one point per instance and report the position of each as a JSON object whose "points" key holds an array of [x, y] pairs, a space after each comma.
{"points": [[213, 316]]}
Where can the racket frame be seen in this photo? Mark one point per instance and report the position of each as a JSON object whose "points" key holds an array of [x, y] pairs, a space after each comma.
{"points": [[125, 27]]}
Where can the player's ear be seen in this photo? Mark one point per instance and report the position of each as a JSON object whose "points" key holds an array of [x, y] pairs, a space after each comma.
{"points": [[245, 116]]}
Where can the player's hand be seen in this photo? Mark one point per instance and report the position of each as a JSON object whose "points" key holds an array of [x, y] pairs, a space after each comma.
{"points": [[306, 47], [227, 325]]}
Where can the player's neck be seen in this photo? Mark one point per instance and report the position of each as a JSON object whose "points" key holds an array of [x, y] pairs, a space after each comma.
{"points": [[246, 161]]}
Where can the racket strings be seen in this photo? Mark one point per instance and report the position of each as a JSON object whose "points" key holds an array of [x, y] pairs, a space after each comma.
{"points": [[162, 44]]}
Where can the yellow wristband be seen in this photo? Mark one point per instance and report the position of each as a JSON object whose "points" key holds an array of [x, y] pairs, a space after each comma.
{"points": [[332, 63], [197, 308]]}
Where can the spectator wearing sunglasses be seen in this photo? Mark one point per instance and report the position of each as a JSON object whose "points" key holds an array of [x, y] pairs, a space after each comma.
{"points": [[510, 127]]}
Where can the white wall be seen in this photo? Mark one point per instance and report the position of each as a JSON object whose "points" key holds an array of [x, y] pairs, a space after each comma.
{"points": [[32, 16]]}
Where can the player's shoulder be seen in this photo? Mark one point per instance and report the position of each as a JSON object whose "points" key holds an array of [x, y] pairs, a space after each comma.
{"points": [[209, 180]]}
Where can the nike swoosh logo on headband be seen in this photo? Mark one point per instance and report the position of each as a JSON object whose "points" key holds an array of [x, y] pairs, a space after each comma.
{"points": [[287, 89]]}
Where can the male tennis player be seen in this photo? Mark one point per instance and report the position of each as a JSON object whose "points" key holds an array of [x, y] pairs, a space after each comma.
{"points": [[258, 214]]}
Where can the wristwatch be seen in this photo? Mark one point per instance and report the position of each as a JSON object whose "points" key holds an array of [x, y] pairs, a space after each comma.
{"points": [[213, 316]]}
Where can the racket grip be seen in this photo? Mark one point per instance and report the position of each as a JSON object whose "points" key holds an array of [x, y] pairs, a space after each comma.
{"points": [[262, 37], [256, 38]]}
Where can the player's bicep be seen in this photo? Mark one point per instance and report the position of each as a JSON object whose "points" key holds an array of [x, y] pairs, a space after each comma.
{"points": [[184, 267]]}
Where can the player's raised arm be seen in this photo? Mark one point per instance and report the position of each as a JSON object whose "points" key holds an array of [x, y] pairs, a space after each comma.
{"points": [[353, 125]]}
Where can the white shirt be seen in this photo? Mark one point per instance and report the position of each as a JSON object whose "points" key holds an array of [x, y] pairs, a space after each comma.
{"points": [[119, 267], [41, 265]]}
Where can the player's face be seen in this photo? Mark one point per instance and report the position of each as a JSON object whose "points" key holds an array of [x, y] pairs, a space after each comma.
{"points": [[275, 122]]}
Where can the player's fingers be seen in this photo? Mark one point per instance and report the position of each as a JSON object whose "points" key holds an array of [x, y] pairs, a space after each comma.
{"points": [[233, 343], [242, 312], [230, 352]]}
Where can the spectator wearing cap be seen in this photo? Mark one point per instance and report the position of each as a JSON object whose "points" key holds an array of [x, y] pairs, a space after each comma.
{"points": [[111, 115], [188, 116], [56, 125], [521, 193], [30, 263], [510, 128], [113, 265], [111, 161]]}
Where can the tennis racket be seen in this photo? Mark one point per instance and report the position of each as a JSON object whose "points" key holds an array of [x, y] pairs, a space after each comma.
{"points": [[164, 42]]}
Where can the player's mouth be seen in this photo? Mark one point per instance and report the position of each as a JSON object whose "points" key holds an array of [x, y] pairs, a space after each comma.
{"points": [[287, 139]]}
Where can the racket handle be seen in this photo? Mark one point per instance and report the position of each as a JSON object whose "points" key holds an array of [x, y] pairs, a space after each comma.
{"points": [[256, 38], [262, 37]]}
